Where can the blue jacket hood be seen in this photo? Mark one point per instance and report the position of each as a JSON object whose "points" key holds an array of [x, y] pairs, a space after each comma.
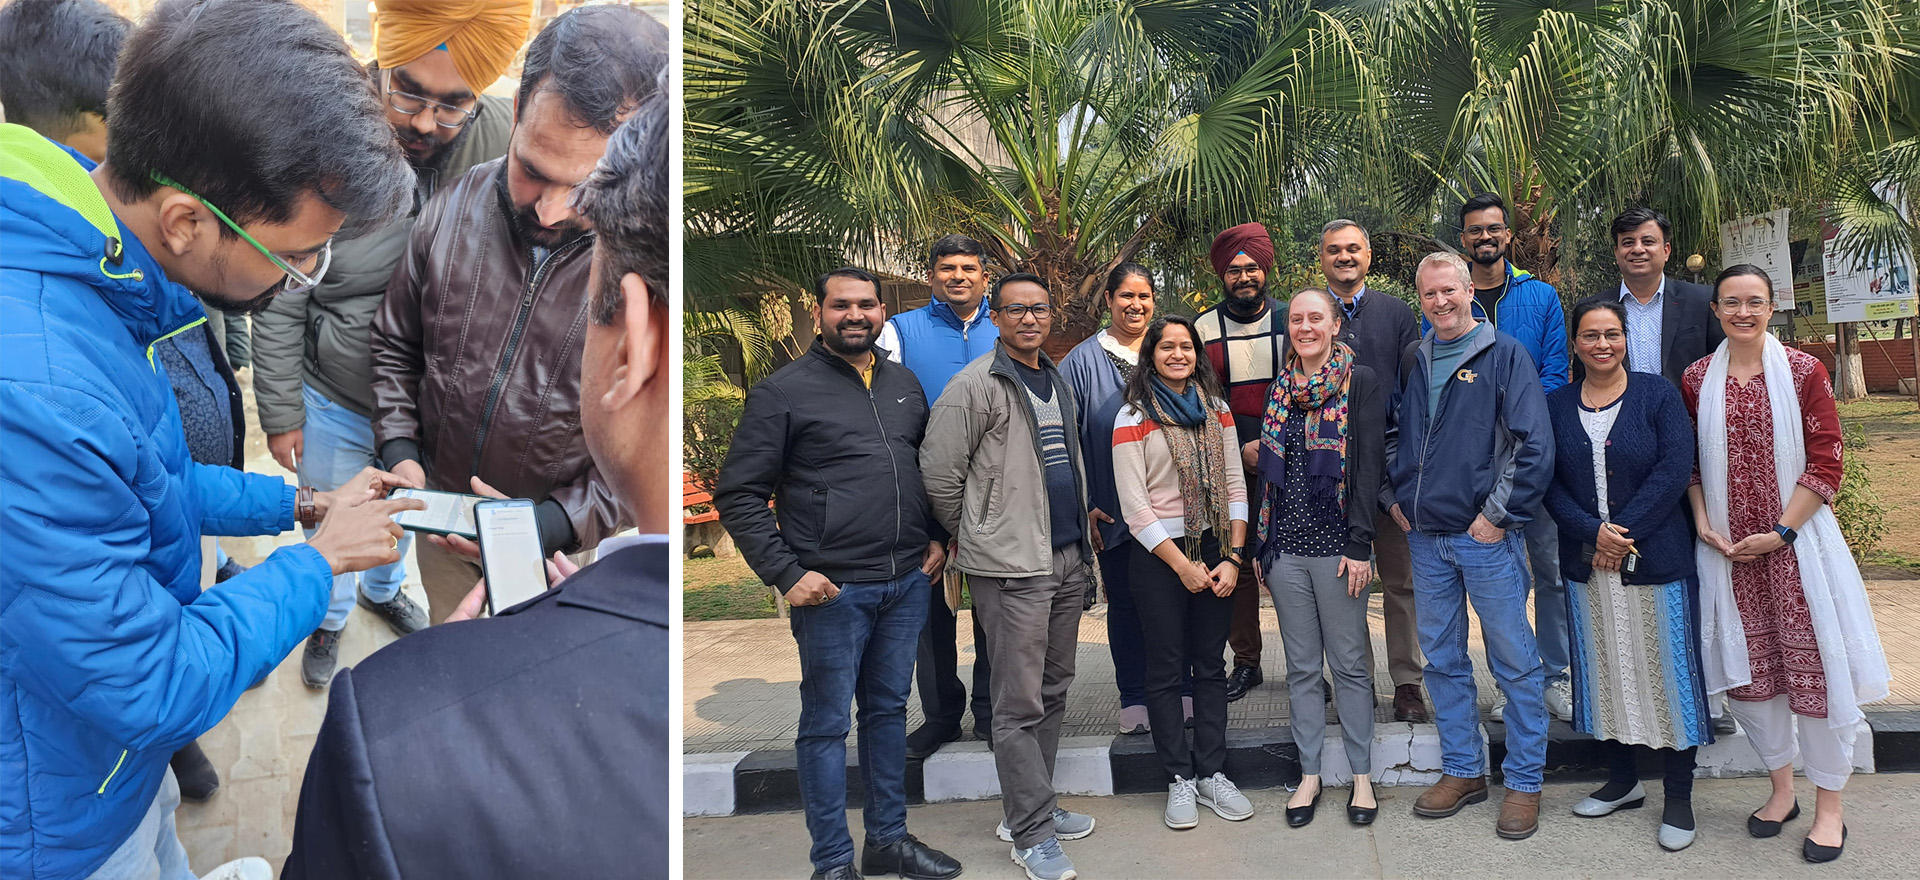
{"points": [[58, 230]]}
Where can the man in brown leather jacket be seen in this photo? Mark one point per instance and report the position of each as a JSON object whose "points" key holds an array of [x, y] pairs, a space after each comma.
{"points": [[476, 349]]}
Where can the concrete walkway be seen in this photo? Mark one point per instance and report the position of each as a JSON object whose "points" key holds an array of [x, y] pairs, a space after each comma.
{"points": [[1130, 841]]}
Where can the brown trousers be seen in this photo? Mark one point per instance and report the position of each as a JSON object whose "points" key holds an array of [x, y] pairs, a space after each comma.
{"points": [[1394, 563], [449, 577]]}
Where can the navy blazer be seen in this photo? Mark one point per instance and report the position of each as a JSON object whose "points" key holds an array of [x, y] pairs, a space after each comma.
{"points": [[1688, 329], [533, 744], [1649, 465]]}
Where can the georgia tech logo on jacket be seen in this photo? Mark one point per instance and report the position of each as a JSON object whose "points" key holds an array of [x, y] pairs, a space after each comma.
{"points": [[1466, 375]]}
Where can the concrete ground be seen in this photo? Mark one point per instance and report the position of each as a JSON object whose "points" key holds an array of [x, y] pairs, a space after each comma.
{"points": [[1130, 840]]}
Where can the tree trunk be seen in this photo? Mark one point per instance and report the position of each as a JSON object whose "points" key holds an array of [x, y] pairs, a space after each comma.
{"points": [[1849, 377]]}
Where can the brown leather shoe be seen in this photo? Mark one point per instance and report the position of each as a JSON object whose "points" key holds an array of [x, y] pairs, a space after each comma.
{"points": [[1447, 796], [1519, 815], [1407, 705]]}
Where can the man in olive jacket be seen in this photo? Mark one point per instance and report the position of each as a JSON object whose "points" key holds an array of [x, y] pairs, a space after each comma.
{"points": [[313, 373], [1004, 475]]}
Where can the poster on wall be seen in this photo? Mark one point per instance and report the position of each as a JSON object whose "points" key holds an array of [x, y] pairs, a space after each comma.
{"points": [[1761, 239], [1868, 287]]}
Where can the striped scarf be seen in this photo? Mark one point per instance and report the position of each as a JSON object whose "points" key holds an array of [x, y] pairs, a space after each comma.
{"points": [[1324, 396]]}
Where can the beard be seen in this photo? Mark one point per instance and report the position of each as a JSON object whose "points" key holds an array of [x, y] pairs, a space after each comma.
{"points": [[835, 339], [1246, 297], [525, 223], [1499, 253], [253, 305], [438, 151]]}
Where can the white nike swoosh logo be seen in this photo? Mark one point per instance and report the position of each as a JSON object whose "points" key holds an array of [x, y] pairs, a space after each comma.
{"points": [[903, 399]]}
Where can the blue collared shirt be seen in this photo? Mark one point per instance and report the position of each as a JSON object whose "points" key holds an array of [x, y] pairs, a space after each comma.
{"points": [[1643, 328]]}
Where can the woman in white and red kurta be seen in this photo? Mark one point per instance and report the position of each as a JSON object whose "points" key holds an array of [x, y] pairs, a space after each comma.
{"points": [[1785, 629]]}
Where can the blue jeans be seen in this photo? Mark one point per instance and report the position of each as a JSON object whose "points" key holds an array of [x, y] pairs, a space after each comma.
{"points": [[154, 851], [1448, 570], [857, 648], [336, 444], [1549, 595]]}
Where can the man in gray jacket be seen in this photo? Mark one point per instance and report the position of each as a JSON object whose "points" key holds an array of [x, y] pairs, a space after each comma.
{"points": [[313, 372], [1003, 468]]}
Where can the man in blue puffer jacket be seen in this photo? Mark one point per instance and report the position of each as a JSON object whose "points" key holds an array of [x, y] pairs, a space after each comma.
{"points": [[1529, 310], [111, 657]]}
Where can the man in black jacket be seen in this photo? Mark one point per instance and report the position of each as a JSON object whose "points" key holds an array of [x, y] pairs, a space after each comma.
{"points": [[1379, 328], [833, 440], [1670, 323], [535, 744]]}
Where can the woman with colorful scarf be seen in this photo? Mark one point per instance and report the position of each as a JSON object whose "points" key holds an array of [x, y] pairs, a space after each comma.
{"points": [[1321, 454], [1185, 501]]}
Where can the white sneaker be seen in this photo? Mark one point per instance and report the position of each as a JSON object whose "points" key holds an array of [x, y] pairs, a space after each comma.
{"points": [[1219, 794], [1181, 814], [249, 868], [1560, 699], [1499, 710]]}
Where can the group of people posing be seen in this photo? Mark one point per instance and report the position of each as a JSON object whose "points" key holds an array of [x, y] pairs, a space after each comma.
{"points": [[451, 291], [1663, 495]]}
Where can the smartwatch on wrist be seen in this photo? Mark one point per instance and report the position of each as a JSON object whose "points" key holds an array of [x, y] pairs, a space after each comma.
{"points": [[1786, 534]]}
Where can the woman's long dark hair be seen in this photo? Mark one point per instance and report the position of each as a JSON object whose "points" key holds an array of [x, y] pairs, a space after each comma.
{"points": [[1139, 394]]}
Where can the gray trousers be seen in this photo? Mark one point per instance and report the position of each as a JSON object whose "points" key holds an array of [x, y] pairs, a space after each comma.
{"points": [[1323, 627], [1032, 627]]}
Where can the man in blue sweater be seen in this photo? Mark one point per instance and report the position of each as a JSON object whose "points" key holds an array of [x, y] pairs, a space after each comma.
{"points": [[1469, 463], [114, 658], [1529, 310], [935, 341]]}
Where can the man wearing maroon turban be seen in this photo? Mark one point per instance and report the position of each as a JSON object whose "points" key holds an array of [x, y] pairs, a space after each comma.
{"points": [[1245, 336]]}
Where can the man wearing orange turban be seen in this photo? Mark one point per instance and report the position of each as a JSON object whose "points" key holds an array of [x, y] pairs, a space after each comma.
{"points": [[481, 36]]}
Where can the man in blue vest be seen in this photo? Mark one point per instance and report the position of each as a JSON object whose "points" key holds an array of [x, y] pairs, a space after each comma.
{"points": [[935, 341], [1527, 309]]}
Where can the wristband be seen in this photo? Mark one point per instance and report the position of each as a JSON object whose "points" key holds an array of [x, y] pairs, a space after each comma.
{"points": [[305, 511], [1786, 533]]}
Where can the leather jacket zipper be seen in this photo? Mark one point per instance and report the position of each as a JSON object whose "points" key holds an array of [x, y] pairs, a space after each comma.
{"points": [[513, 342]]}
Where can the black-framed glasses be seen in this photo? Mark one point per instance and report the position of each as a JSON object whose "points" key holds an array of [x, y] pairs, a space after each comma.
{"points": [[444, 115], [1489, 229], [1020, 311]]}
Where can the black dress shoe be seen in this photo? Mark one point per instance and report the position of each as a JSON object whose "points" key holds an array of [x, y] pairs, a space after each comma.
{"points": [[838, 872], [909, 858], [1362, 815], [1759, 827], [927, 739], [1243, 679], [1816, 853], [1298, 817], [197, 778], [984, 734]]}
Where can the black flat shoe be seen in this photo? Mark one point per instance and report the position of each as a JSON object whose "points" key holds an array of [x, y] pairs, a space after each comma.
{"points": [[908, 858], [1816, 853], [1759, 827], [838, 872], [927, 739], [1298, 817], [1362, 815]]}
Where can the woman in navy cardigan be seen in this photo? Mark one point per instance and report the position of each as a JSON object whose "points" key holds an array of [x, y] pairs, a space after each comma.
{"points": [[1623, 456]]}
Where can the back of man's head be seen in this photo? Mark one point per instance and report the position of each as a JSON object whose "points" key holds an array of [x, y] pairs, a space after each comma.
{"points": [[602, 60], [252, 104], [626, 199], [56, 62]]}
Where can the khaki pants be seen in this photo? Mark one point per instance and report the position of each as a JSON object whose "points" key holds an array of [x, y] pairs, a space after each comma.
{"points": [[1395, 566], [449, 577]]}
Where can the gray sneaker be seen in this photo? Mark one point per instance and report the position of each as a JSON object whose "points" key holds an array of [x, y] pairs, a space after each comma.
{"points": [[1219, 794], [402, 615], [1499, 710], [1560, 700], [1066, 826], [1181, 814], [1045, 861]]}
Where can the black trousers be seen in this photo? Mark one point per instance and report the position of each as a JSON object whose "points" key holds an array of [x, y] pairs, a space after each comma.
{"points": [[1624, 767], [943, 699], [1183, 630]]}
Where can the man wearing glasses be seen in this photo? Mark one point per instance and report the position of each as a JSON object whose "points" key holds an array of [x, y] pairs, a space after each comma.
{"points": [[476, 346], [1002, 464], [1528, 309], [114, 657], [312, 374]]}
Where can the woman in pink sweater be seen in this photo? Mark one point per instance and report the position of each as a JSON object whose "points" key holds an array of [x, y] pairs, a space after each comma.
{"points": [[1177, 469]]}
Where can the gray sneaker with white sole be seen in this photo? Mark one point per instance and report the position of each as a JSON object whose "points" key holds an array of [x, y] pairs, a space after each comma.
{"points": [[1066, 826], [1045, 861]]}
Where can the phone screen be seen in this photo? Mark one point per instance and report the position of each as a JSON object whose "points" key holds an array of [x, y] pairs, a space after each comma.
{"points": [[448, 512], [510, 553]]}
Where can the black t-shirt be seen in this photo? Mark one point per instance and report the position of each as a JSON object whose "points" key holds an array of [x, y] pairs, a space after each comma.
{"points": [[1488, 299]]}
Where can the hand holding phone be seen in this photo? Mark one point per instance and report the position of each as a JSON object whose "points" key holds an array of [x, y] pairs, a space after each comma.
{"points": [[446, 513], [510, 552]]}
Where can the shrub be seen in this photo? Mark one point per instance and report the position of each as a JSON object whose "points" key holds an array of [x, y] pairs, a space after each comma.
{"points": [[1863, 519]]}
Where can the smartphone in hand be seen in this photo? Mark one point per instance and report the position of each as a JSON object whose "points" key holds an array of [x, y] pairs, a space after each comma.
{"points": [[447, 513], [509, 537]]}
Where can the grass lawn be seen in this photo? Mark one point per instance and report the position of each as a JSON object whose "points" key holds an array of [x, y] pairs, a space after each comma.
{"points": [[1892, 452], [725, 589]]}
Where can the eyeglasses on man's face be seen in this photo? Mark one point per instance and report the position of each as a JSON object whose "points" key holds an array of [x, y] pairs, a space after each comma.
{"points": [[1489, 229], [1020, 311], [444, 115], [297, 281]]}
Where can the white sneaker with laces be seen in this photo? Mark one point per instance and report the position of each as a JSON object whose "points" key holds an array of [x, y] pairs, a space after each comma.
{"points": [[249, 868], [1560, 699], [1499, 710], [1181, 813], [1219, 794]]}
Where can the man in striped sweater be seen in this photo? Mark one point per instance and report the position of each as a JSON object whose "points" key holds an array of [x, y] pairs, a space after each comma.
{"points": [[1246, 339]]}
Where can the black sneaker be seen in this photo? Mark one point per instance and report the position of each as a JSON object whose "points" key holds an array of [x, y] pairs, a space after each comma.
{"points": [[838, 872], [197, 778], [322, 655], [401, 614], [1243, 679], [927, 739], [228, 571]]}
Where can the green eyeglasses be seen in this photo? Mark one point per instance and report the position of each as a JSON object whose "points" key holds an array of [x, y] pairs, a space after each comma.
{"points": [[297, 281]]}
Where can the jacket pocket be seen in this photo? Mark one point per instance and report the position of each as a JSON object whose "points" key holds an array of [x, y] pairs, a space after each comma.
{"points": [[986, 506], [112, 774]]}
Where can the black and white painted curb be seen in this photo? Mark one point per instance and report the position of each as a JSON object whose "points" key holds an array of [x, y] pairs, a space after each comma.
{"points": [[730, 783]]}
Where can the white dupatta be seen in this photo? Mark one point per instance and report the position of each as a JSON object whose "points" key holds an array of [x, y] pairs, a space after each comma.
{"points": [[1850, 653]]}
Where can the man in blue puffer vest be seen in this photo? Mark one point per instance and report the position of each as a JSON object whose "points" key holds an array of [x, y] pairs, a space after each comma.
{"points": [[1529, 310], [935, 342], [111, 657]]}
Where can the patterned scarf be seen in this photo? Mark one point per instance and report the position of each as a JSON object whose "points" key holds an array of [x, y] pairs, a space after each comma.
{"points": [[1324, 396], [1199, 456]]}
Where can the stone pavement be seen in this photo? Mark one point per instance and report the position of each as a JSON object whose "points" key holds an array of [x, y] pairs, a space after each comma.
{"points": [[741, 677], [1130, 841]]}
